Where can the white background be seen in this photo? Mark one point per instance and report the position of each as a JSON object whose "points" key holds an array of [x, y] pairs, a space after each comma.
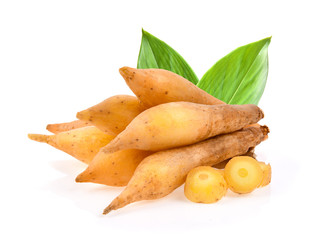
{"points": [[60, 57]]}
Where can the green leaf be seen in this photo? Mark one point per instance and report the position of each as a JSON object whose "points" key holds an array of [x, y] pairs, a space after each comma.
{"points": [[239, 77], [155, 53]]}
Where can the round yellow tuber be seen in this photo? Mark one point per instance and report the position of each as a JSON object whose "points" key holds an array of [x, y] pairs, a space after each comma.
{"points": [[243, 174], [205, 184]]}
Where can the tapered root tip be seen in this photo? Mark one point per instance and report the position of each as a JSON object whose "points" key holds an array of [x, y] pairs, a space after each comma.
{"points": [[51, 128], [30, 136], [85, 176], [80, 178], [107, 210], [82, 115], [38, 137], [125, 73]]}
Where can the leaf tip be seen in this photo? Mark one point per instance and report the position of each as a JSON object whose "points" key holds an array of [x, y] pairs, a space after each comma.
{"points": [[268, 39], [145, 33]]}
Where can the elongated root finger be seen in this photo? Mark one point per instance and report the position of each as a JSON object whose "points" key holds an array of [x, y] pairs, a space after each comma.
{"points": [[67, 126], [39, 137]]}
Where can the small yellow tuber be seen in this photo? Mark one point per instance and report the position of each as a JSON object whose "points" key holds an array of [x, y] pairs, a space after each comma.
{"points": [[243, 174], [205, 184]]}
